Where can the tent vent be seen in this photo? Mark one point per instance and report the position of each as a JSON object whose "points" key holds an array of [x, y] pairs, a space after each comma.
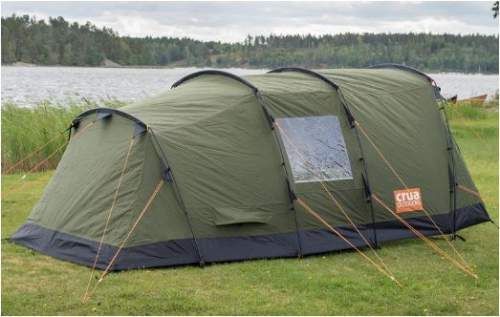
{"points": [[367, 190], [269, 117], [167, 175], [139, 129], [103, 114], [75, 123], [291, 193], [349, 115]]}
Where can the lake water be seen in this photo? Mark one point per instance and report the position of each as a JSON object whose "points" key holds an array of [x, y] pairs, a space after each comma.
{"points": [[27, 86]]}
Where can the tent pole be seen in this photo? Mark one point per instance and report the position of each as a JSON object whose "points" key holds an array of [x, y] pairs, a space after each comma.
{"points": [[365, 176], [168, 172], [451, 173], [291, 195]]}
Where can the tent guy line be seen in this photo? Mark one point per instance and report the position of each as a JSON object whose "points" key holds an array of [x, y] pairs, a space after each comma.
{"points": [[326, 224], [37, 150], [463, 266], [41, 162], [426, 240], [393, 170], [117, 253], [334, 200], [110, 212]]}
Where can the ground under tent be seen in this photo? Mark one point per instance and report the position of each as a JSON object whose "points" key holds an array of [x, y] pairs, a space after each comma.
{"points": [[225, 168]]}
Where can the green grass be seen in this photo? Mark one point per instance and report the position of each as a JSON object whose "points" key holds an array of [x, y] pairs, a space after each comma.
{"points": [[337, 283]]}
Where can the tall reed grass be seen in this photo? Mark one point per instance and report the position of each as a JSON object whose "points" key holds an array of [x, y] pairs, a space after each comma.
{"points": [[479, 122], [25, 130]]}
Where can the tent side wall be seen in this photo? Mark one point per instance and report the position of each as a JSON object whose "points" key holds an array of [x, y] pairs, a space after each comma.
{"points": [[69, 219]]}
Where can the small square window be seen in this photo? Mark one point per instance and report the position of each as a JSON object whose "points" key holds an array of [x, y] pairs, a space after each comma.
{"points": [[315, 148]]}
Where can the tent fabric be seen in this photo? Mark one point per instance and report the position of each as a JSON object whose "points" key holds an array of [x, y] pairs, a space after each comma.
{"points": [[231, 176]]}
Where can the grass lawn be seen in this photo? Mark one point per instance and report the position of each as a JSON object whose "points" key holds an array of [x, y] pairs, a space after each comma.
{"points": [[339, 283]]}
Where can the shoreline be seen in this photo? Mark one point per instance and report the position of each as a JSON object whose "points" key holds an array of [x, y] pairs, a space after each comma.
{"points": [[28, 65]]}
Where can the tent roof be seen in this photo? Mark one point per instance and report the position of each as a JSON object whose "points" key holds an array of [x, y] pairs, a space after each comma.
{"points": [[204, 94]]}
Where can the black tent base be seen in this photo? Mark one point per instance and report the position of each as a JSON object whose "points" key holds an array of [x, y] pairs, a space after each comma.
{"points": [[182, 252]]}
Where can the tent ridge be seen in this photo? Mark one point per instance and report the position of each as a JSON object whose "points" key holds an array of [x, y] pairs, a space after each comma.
{"points": [[214, 72], [305, 71]]}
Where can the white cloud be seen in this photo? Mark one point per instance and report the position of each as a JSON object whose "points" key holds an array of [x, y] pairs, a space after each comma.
{"points": [[231, 22]]}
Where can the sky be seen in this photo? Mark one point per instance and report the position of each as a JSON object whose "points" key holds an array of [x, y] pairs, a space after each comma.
{"points": [[233, 21]]}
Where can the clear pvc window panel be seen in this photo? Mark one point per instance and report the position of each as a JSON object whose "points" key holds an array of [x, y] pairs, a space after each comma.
{"points": [[316, 148]]}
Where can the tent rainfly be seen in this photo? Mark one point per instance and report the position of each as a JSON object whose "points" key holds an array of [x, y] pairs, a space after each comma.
{"points": [[225, 168]]}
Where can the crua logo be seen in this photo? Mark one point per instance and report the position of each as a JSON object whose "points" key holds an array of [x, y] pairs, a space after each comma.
{"points": [[408, 200]]}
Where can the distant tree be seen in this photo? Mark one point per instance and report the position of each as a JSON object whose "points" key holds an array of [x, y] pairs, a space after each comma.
{"points": [[495, 9], [57, 41]]}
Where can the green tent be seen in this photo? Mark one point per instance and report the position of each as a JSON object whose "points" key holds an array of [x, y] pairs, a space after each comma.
{"points": [[225, 168]]}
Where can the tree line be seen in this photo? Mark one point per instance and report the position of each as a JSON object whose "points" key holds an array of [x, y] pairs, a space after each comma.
{"points": [[59, 42]]}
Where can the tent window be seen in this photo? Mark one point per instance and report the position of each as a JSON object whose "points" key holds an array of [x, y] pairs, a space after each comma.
{"points": [[315, 148]]}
